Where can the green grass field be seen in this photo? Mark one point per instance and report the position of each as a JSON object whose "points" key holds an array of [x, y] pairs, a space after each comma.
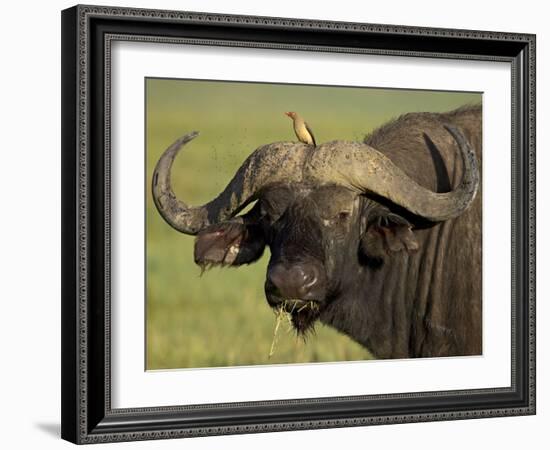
{"points": [[222, 318]]}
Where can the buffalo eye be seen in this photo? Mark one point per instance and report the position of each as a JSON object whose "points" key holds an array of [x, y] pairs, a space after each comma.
{"points": [[268, 212], [343, 216]]}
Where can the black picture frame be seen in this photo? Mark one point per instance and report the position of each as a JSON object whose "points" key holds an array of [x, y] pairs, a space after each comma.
{"points": [[87, 415]]}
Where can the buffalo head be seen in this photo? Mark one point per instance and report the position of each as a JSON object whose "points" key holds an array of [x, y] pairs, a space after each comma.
{"points": [[326, 213]]}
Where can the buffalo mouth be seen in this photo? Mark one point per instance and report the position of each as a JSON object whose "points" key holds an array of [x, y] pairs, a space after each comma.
{"points": [[302, 313]]}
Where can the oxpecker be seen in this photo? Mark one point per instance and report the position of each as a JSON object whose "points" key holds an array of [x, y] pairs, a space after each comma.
{"points": [[302, 130]]}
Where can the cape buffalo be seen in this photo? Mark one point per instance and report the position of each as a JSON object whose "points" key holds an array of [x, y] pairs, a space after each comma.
{"points": [[379, 239]]}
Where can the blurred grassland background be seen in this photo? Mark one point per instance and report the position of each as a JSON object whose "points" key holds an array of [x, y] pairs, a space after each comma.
{"points": [[222, 318]]}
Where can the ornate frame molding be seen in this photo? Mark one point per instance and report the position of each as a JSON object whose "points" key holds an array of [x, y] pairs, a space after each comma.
{"points": [[87, 421]]}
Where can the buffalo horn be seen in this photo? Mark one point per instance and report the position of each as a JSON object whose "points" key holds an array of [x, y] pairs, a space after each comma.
{"points": [[280, 161], [366, 170]]}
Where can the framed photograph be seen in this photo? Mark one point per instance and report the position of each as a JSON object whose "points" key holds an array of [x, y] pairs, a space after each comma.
{"points": [[282, 224]]}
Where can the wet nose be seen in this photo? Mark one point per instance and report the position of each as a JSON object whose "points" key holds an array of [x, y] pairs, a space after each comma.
{"points": [[298, 281]]}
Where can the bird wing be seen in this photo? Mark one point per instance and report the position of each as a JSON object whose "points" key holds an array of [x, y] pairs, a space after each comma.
{"points": [[310, 133]]}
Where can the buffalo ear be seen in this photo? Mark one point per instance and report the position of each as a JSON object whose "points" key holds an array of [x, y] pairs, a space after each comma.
{"points": [[230, 243], [387, 233]]}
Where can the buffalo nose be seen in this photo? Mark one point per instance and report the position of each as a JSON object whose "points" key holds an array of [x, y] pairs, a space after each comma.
{"points": [[298, 281]]}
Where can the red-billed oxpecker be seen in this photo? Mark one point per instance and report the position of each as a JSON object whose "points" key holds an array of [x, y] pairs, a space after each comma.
{"points": [[302, 130]]}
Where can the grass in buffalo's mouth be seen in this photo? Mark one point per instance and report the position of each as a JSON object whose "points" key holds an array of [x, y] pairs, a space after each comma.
{"points": [[311, 305], [284, 312]]}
